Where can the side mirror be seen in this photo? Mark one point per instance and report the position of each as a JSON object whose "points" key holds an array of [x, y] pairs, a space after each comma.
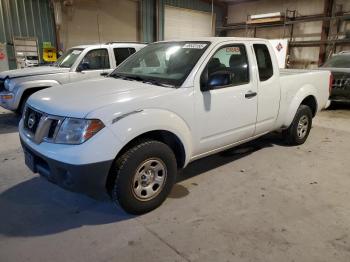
{"points": [[216, 79], [220, 78], [83, 66]]}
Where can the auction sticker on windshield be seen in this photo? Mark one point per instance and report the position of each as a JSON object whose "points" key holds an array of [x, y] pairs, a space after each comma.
{"points": [[194, 46], [76, 52]]}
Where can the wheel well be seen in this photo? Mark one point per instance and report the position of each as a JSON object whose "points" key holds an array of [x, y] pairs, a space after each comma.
{"points": [[164, 136], [311, 102], [29, 92]]}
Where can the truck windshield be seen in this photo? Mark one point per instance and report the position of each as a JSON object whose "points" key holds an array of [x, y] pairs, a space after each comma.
{"points": [[68, 58], [338, 61], [165, 63]]}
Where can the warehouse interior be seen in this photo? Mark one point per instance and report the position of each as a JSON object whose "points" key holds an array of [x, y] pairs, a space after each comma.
{"points": [[315, 29], [263, 200]]}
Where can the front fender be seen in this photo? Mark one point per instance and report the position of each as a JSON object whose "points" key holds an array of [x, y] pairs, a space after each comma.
{"points": [[134, 125], [35, 84], [303, 92], [21, 87]]}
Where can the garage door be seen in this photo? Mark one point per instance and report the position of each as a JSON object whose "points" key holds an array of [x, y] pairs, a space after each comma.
{"points": [[117, 21], [182, 23]]}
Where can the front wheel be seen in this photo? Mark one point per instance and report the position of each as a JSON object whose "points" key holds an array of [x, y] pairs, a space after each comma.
{"points": [[299, 130], [144, 176]]}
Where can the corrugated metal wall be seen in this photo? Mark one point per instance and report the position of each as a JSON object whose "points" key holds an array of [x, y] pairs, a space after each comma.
{"points": [[147, 20], [34, 18], [148, 13], [25, 18]]}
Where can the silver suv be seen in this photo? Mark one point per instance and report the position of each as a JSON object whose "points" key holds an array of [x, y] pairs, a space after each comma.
{"points": [[78, 63]]}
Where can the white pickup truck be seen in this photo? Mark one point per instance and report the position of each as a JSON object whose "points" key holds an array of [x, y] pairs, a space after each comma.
{"points": [[78, 63], [169, 104]]}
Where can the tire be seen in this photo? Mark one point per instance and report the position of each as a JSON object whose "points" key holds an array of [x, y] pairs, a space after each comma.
{"points": [[299, 129], [22, 105], [144, 176]]}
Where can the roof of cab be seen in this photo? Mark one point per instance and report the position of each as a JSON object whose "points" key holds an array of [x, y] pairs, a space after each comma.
{"points": [[345, 52], [216, 39], [109, 44]]}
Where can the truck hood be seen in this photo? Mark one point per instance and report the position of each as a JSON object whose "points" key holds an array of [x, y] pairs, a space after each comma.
{"points": [[32, 71], [80, 99]]}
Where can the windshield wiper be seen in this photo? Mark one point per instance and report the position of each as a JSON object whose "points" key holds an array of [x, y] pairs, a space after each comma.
{"points": [[140, 79], [157, 83], [124, 77]]}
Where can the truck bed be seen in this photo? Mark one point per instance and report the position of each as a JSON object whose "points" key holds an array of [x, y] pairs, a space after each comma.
{"points": [[293, 81], [285, 72]]}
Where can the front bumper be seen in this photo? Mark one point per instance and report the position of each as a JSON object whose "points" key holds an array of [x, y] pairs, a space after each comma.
{"points": [[7, 100], [340, 87], [89, 179], [340, 94], [340, 97]]}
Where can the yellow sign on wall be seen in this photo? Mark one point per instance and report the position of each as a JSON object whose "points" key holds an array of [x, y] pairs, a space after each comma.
{"points": [[49, 54], [47, 45]]}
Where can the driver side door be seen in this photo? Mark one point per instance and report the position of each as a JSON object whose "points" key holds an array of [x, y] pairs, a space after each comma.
{"points": [[226, 113]]}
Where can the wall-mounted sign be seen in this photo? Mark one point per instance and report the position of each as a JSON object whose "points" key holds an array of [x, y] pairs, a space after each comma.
{"points": [[3, 58], [280, 47], [47, 45], [49, 54]]}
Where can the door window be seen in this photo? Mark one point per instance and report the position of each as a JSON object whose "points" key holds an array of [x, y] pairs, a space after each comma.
{"points": [[96, 59], [231, 60], [122, 53], [263, 59]]}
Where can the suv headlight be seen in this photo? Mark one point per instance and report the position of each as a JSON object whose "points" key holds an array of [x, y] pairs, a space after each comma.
{"points": [[7, 84], [76, 131]]}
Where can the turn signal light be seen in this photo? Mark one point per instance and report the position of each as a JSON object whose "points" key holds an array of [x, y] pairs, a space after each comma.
{"points": [[94, 126], [7, 97]]}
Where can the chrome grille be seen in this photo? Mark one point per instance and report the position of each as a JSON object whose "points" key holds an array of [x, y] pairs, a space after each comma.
{"points": [[341, 82], [39, 126], [32, 118]]}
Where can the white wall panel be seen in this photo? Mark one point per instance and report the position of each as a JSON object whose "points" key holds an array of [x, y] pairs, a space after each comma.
{"points": [[182, 23], [117, 22]]}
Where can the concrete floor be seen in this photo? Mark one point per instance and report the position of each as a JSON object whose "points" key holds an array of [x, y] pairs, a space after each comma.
{"points": [[262, 202]]}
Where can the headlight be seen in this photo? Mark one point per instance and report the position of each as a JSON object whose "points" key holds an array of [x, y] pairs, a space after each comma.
{"points": [[76, 131], [7, 84]]}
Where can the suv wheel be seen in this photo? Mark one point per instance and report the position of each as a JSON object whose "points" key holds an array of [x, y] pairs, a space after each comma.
{"points": [[144, 175], [22, 105]]}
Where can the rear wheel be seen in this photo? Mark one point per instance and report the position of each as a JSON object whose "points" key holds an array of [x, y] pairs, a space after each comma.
{"points": [[299, 130], [144, 176]]}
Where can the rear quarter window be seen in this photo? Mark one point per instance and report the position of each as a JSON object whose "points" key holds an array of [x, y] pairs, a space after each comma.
{"points": [[263, 59], [122, 53]]}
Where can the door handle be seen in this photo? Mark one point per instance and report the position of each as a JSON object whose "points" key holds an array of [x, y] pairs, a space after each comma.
{"points": [[250, 94], [104, 74]]}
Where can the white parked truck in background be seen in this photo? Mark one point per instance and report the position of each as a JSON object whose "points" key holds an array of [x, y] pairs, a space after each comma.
{"points": [[78, 63], [169, 104]]}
